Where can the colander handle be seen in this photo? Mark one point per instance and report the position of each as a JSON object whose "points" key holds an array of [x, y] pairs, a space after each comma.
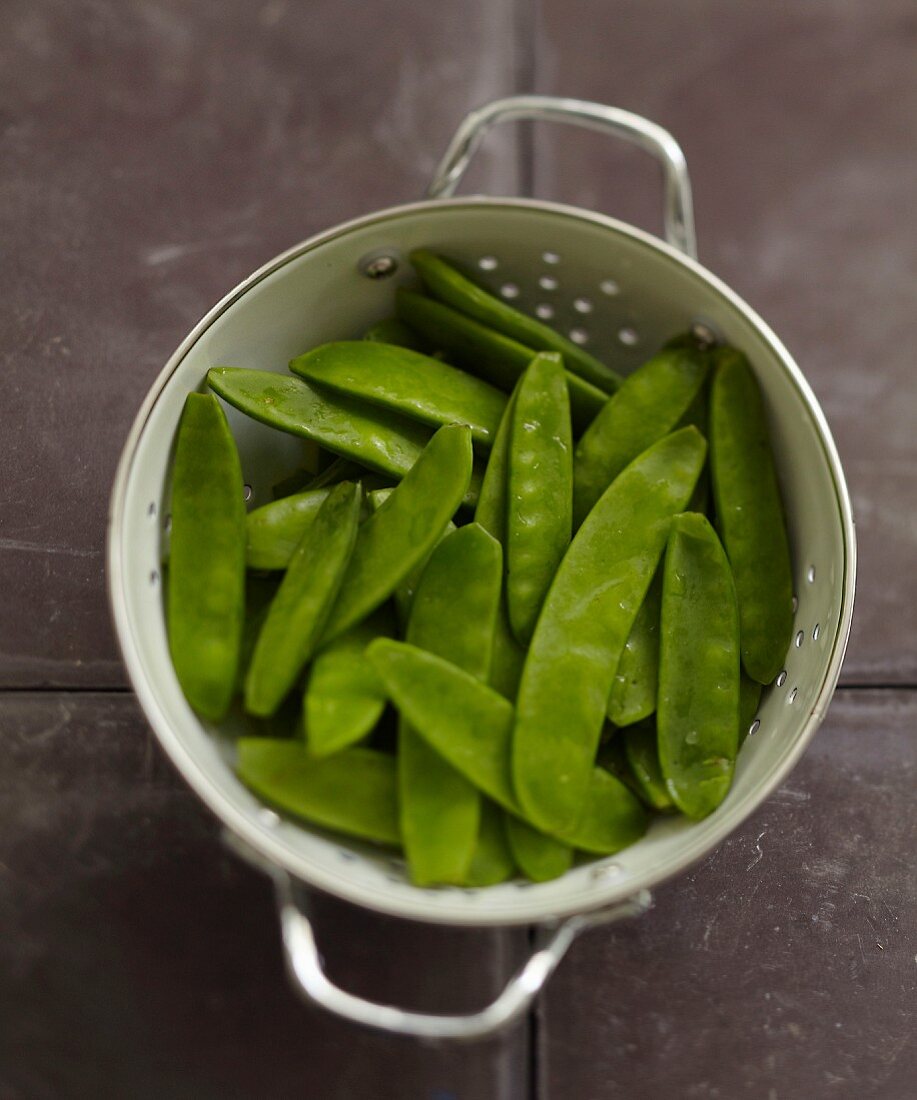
{"points": [[679, 208], [305, 967]]}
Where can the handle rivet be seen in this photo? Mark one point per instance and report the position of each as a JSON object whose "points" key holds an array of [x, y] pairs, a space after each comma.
{"points": [[379, 267]]}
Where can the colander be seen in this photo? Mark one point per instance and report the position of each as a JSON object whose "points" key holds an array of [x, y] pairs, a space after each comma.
{"points": [[613, 288]]}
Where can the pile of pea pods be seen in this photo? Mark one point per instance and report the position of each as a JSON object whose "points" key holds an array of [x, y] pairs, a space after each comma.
{"points": [[523, 604]]}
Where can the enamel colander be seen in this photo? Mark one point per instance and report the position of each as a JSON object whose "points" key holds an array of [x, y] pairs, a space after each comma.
{"points": [[618, 291]]}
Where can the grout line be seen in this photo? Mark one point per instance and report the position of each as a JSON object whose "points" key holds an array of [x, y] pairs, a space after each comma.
{"points": [[90, 689], [525, 32]]}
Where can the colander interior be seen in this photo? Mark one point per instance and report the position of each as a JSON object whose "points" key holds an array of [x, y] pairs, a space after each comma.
{"points": [[620, 293]]}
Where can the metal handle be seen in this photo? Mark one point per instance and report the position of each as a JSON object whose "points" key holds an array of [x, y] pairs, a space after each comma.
{"points": [[305, 967], [679, 209]]}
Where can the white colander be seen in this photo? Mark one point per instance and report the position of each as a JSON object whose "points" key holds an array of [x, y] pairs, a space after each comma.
{"points": [[620, 292]]}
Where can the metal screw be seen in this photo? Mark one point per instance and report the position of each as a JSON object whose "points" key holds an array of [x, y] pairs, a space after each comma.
{"points": [[380, 267], [704, 335]]}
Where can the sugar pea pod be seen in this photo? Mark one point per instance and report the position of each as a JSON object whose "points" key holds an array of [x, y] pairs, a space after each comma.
{"points": [[401, 534], [352, 792], [260, 591], [344, 698], [307, 593], [372, 436], [274, 530], [404, 592], [633, 690], [206, 592], [697, 717], [452, 615], [649, 405], [392, 331], [584, 624], [488, 354], [749, 514], [448, 284], [470, 725], [698, 415], [539, 857], [539, 487], [405, 382], [640, 748], [749, 700], [492, 860], [490, 513]]}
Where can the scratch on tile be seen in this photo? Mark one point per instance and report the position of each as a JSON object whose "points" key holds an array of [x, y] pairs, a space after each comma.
{"points": [[758, 849], [39, 548]]}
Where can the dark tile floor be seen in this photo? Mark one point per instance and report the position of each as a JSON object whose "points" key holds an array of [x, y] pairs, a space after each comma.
{"points": [[154, 152]]}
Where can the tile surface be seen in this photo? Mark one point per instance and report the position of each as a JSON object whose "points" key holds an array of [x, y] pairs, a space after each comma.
{"points": [[155, 152], [784, 965], [138, 958], [798, 125]]}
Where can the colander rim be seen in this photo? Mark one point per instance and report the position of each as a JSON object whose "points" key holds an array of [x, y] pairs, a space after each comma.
{"points": [[529, 908]]}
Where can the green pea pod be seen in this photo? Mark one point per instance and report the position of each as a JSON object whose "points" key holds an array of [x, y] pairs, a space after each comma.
{"points": [[489, 355], [492, 860], [640, 748], [584, 624], [633, 690], [393, 331], [443, 281], [698, 415], [274, 530], [404, 593], [206, 591], [539, 486], [394, 540], [749, 514], [405, 382], [471, 726], [307, 593], [352, 792], [344, 698], [649, 405], [373, 436], [260, 591], [749, 700], [697, 717], [490, 513], [452, 615], [539, 857]]}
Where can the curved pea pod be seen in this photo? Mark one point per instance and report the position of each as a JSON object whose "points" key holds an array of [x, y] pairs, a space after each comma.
{"points": [[405, 382], [642, 753], [539, 486], [490, 513], [307, 593], [749, 514], [649, 405], [749, 700], [488, 354], [448, 284], [372, 436], [344, 698], [206, 591], [633, 690], [401, 534], [352, 792], [584, 624], [492, 859], [274, 530], [404, 593], [697, 718], [452, 615], [392, 331], [471, 725], [539, 857]]}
